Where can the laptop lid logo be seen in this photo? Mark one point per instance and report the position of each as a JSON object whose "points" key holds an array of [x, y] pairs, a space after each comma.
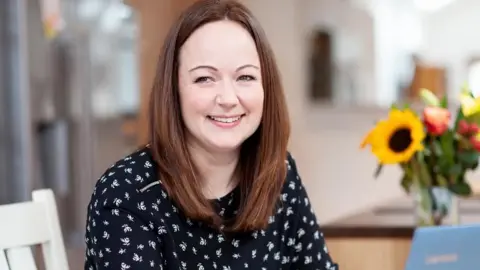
{"points": [[442, 258]]}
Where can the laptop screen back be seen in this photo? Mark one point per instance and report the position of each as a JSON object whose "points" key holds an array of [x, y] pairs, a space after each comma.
{"points": [[445, 248]]}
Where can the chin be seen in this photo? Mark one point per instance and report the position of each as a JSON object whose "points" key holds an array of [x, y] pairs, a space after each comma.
{"points": [[225, 146]]}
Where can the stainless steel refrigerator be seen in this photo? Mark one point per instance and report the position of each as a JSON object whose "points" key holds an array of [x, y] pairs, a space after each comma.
{"points": [[57, 129], [46, 130]]}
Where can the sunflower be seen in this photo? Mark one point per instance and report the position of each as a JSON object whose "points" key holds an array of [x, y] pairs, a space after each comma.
{"points": [[396, 139]]}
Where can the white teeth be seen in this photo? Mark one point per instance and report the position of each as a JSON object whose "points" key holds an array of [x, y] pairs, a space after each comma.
{"points": [[226, 119]]}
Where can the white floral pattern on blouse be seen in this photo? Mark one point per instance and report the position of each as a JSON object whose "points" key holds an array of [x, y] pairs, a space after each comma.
{"points": [[132, 224]]}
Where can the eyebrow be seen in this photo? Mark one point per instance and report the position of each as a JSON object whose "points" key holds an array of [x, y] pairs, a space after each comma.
{"points": [[215, 69]]}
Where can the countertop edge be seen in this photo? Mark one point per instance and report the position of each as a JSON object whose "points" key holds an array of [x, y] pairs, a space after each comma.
{"points": [[367, 232]]}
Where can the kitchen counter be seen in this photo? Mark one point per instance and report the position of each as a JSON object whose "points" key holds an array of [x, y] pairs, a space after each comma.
{"points": [[369, 247], [380, 239]]}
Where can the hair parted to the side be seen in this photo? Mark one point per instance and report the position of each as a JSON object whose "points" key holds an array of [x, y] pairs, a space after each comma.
{"points": [[261, 167]]}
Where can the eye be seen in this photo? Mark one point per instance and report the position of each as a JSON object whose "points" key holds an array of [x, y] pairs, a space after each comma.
{"points": [[246, 78], [203, 79]]}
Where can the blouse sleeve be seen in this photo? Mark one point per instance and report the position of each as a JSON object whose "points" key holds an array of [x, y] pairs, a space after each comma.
{"points": [[118, 237], [310, 248]]}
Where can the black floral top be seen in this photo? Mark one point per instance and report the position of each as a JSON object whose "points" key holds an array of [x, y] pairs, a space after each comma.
{"points": [[132, 224]]}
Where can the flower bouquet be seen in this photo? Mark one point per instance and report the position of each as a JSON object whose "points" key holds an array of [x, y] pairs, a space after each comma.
{"points": [[433, 152]]}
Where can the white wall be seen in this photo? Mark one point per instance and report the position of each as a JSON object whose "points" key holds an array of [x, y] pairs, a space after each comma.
{"points": [[282, 26], [325, 141], [352, 29], [451, 39], [397, 35], [378, 51]]}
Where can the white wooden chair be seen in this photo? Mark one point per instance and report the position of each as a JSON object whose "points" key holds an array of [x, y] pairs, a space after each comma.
{"points": [[27, 224]]}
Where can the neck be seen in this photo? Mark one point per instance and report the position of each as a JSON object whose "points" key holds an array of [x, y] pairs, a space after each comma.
{"points": [[217, 170]]}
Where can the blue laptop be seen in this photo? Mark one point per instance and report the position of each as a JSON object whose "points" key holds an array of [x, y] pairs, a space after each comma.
{"points": [[445, 248]]}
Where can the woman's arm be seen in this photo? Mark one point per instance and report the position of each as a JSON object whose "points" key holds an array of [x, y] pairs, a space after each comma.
{"points": [[310, 249], [118, 235]]}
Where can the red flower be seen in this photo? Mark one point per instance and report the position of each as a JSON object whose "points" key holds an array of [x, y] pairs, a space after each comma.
{"points": [[436, 120], [475, 140], [467, 129], [463, 127], [473, 128]]}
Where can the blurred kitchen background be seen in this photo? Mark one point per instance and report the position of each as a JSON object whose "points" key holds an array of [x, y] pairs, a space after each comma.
{"points": [[74, 77]]}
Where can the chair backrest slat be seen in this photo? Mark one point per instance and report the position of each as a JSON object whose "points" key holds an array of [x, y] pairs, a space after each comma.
{"points": [[3, 261], [54, 253], [21, 258], [27, 224]]}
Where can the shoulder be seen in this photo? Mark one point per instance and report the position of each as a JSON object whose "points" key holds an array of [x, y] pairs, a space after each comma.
{"points": [[126, 179], [290, 161], [295, 195], [293, 176], [293, 187]]}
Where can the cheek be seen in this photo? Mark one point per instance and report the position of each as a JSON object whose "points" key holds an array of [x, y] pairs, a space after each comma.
{"points": [[194, 102], [252, 100]]}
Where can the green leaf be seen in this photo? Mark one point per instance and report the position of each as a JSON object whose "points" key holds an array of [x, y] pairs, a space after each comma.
{"points": [[427, 151], [463, 143], [425, 175], [447, 144], [461, 189], [426, 200], [407, 170], [444, 102], [474, 166], [443, 165], [441, 180], [406, 183], [468, 158], [378, 170], [437, 148], [421, 169], [394, 107], [475, 118], [455, 170], [459, 117]]}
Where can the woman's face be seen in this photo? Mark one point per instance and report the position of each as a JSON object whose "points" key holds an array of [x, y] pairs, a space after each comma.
{"points": [[220, 84]]}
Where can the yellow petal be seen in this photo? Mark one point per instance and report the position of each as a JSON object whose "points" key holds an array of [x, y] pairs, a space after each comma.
{"points": [[469, 105], [477, 136], [429, 98], [465, 89], [367, 139]]}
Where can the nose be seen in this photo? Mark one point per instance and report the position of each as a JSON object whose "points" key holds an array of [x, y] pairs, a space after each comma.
{"points": [[227, 96]]}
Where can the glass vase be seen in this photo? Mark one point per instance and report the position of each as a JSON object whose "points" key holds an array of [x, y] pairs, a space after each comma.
{"points": [[435, 206]]}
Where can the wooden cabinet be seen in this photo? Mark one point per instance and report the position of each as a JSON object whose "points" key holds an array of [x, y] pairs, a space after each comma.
{"points": [[369, 253], [429, 77], [369, 247]]}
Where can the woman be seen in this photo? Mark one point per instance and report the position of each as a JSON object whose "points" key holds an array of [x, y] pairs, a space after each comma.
{"points": [[215, 188]]}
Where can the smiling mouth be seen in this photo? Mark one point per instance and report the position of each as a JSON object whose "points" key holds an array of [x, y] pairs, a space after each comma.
{"points": [[225, 119]]}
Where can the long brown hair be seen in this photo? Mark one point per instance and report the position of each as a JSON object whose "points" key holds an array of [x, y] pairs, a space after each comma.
{"points": [[261, 165]]}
